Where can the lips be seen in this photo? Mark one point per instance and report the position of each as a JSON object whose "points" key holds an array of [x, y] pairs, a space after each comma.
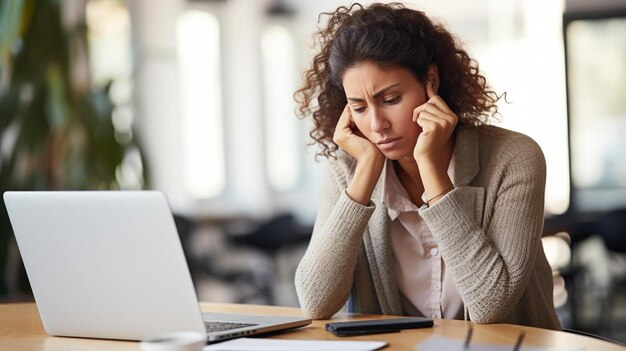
{"points": [[388, 143], [388, 140]]}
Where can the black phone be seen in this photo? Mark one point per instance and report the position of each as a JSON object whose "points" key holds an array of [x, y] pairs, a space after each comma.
{"points": [[365, 327]]}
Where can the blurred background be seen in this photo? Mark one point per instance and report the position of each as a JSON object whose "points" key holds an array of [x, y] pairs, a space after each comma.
{"points": [[194, 98]]}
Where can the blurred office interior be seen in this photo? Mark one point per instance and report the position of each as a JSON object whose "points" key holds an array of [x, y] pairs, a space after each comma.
{"points": [[194, 98]]}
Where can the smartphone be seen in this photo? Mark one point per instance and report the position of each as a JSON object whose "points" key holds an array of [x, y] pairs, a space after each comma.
{"points": [[365, 327]]}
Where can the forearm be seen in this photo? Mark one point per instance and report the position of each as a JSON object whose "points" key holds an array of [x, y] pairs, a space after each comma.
{"points": [[479, 273], [364, 180], [491, 267], [324, 276], [433, 171], [435, 180]]}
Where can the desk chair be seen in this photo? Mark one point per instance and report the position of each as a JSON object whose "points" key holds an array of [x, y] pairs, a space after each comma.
{"points": [[599, 269], [282, 240], [558, 253]]}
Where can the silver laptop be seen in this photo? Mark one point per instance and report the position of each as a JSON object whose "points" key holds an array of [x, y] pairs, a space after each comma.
{"points": [[109, 264]]}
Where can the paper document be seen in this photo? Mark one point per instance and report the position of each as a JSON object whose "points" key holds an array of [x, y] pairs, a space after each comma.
{"points": [[250, 344], [439, 343]]}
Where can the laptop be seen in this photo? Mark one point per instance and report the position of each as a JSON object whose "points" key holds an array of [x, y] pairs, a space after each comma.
{"points": [[110, 265]]}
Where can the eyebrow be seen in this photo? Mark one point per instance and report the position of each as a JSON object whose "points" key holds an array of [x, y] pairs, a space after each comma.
{"points": [[376, 95]]}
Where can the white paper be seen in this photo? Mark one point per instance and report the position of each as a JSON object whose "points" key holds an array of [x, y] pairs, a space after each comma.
{"points": [[250, 344], [439, 343]]}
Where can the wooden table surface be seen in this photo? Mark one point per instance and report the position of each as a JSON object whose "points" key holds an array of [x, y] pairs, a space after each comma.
{"points": [[21, 329]]}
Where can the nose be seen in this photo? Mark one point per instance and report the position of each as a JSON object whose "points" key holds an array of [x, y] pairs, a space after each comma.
{"points": [[378, 121]]}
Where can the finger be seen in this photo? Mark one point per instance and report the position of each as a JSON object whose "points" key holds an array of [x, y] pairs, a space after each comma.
{"points": [[435, 99], [421, 108], [426, 107], [438, 101], [352, 125], [430, 92], [345, 119], [343, 125], [450, 118], [427, 127], [428, 120]]}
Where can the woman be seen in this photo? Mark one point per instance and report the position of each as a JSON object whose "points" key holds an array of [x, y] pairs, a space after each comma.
{"points": [[426, 210]]}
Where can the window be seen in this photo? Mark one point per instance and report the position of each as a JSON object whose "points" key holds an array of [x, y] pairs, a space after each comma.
{"points": [[527, 64], [281, 127], [202, 121], [597, 111]]}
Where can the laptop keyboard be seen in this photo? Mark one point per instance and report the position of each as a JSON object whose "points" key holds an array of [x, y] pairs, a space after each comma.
{"points": [[212, 326]]}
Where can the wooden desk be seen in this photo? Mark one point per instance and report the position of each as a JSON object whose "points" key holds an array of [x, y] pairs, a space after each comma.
{"points": [[21, 329]]}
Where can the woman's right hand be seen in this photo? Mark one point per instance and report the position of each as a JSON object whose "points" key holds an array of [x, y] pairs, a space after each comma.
{"points": [[370, 160], [352, 141]]}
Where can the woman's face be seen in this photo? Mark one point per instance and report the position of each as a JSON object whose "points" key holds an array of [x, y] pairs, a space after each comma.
{"points": [[381, 103]]}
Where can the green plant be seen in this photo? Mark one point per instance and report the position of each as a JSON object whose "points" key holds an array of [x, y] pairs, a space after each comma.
{"points": [[55, 125]]}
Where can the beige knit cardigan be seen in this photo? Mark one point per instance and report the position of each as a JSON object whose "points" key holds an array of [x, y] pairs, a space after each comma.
{"points": [[488, 229]]}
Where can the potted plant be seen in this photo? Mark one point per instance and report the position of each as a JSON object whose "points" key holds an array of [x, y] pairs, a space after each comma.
{"points": [[56, 130]]}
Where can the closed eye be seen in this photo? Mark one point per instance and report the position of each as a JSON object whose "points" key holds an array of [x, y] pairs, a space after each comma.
{"points": [[393, 100], [358, 109]]}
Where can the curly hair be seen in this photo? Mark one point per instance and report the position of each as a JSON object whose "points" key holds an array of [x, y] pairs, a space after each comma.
{"points": [[390, 35]]}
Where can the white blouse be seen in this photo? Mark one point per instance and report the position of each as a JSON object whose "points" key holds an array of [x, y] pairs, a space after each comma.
{"points": [[425, 288]]}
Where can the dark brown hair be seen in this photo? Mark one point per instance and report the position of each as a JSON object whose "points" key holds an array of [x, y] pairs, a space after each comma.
{"points": [[390, 35]]}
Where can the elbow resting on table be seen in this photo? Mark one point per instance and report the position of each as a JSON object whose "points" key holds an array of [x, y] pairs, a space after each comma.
{"points": [[311, 307], [316, 313], [488, 317], [486, 320]]}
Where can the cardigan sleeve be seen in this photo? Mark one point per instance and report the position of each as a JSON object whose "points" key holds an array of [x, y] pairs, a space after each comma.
{"points": [[492, 266], [324, 276]]}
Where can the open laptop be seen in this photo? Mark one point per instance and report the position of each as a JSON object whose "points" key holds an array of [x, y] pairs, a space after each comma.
{"points": [[109, 264]]}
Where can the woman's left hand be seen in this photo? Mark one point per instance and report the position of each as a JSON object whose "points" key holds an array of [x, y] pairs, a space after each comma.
{"points": [[437, 122]]}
